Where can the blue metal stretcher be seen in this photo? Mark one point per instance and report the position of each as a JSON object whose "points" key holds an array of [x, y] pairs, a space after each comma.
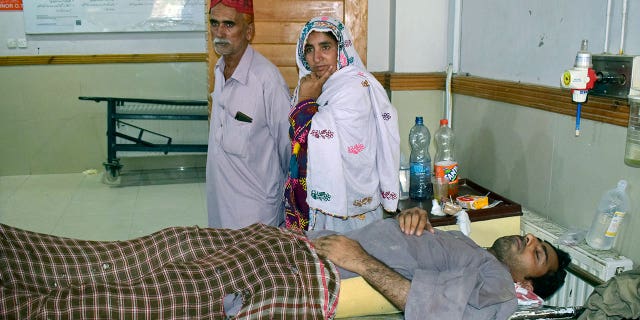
{"points": [[119, 109]]}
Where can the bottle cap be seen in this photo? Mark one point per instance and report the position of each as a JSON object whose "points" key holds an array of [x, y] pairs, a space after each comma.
{"points": [[444, 122], [419, 120], [622, 184]]}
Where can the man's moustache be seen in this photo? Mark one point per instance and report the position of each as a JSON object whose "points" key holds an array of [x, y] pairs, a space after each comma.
{"points": [[220, 41]]}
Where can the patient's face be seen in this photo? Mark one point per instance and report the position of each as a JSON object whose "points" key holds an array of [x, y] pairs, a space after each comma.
{"points": [[526, 256]]}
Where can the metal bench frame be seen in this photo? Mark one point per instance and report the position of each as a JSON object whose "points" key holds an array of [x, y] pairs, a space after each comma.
{"points": [[112, 165]]}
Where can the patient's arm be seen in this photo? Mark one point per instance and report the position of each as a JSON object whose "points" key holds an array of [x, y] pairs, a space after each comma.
{"points": [[348, 254]]}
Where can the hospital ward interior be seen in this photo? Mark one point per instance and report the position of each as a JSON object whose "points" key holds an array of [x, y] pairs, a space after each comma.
{"points": [[104, 125]]}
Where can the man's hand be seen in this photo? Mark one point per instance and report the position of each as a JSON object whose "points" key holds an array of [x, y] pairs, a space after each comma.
{"points": [[311, 84], [414, 221], [349, 255], [344, 252]]}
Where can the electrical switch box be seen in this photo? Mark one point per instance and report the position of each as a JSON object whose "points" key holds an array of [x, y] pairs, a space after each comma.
{"points": [[22, 43], [12, 43], [615, 74]]}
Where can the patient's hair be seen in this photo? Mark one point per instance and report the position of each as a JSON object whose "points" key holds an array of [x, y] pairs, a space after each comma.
{"points": [[551, 282]]}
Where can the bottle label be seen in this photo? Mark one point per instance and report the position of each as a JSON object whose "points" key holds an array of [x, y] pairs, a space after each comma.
{"points": [[612, 231], [419, 168], [447, 170]]}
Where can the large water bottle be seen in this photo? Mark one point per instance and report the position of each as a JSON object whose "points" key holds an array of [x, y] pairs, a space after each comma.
{"points": [[420, 187], [445, 164], [632, 151], [612, 208]]}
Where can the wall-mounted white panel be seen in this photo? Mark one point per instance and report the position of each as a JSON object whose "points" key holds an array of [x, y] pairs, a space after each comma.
{"points": [[421, 29], [90, 16], [378, 36]]}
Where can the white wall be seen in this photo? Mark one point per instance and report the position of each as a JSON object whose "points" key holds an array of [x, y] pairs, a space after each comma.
{"points": [[532, 156], [45, 128], [379, 37], [421, 39], [535, 41], [528, 155]]}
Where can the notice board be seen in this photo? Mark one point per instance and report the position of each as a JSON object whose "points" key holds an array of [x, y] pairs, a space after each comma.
{"points": [[95, 16]]}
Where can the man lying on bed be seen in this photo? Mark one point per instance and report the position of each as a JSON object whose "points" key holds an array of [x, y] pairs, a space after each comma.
{"points": [[266, 272], [444, 274]]}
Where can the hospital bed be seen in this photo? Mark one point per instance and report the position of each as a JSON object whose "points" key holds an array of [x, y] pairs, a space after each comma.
{"points": [[124, 136]]}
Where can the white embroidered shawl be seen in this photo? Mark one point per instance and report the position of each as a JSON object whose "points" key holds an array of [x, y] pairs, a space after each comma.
{"points": [[354, 141]]}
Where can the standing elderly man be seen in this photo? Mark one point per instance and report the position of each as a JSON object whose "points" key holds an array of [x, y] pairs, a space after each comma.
{"points": [[249, 149]]}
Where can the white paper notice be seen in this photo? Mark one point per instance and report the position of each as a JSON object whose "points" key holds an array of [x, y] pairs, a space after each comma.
{"points": [[92, 16]]}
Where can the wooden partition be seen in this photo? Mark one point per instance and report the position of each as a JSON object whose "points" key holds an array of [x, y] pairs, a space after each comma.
{"points": [[278, 24]]}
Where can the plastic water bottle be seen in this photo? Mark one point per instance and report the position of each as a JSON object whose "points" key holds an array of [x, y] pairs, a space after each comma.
{"points": [[611, 210], [445, 164], [420, 187], [632, 151]]}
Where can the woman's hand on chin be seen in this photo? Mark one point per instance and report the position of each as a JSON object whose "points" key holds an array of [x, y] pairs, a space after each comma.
{"points": [[311, 84]]}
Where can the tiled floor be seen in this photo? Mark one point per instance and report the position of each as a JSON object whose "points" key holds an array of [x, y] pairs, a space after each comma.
{"points": [[81, 206]]}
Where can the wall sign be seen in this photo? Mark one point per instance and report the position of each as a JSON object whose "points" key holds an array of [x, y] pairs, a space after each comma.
{"points": [[93, 16], [10, 5]]}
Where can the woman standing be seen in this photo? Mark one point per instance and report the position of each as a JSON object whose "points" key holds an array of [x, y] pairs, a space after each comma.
{"points": [[344, 133]]}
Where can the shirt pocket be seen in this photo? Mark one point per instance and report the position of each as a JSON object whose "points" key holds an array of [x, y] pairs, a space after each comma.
{"points": [[235, 135]]}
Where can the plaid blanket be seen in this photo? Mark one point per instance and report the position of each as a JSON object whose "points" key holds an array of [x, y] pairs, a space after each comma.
{"points": [[175, 273]]}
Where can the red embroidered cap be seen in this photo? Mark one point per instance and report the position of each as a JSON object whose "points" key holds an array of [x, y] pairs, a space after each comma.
{"points": [[243, 6]]}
